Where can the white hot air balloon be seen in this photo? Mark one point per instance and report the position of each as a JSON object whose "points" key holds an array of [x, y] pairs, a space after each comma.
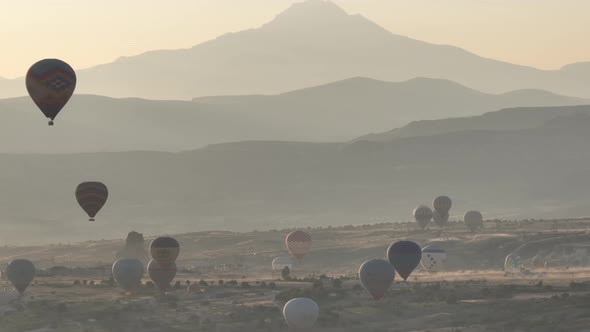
{"points": [[279, 263], [433, 258], [301, 313]]}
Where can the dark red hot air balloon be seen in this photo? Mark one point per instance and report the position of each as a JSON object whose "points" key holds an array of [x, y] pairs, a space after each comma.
{"points": [[91, 196], [404, 256], [51, 83]]}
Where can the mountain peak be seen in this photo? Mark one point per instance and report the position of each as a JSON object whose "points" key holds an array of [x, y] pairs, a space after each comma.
{"points": [[310, 10]]}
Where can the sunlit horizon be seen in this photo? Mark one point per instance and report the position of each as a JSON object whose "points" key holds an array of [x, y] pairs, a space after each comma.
{"points": [[113, 29]]}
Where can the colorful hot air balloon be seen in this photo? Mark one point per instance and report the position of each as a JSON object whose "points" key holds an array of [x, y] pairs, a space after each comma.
{"points": [[91, 196], [376, 275], [473, 220], [161, 275], [301, 313], [404, 256], [298, 243], [423, 215], [128, 272], [439, 219], [165, 250], [20, 272], [433, 258], [51, 83], [442, 204]]}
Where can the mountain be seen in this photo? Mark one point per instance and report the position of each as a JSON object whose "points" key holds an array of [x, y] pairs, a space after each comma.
{"points": [[337, 111], [310, 43], [539, 172], [506, 119]]}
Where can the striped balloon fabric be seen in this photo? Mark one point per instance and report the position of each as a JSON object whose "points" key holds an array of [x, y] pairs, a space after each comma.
{"points": [[298, 243], [165, 250], [91, 196]]}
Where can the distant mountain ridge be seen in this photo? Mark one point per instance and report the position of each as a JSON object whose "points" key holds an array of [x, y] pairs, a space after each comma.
{"points": [[535, 172], [503, 120], [335, 112], [310, 43]]}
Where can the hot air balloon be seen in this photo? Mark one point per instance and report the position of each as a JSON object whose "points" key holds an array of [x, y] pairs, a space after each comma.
{"points": [[161, 275], [301, 313], [50, 83], [439, 219], [128, 272], [433, 258], [376, 275], [422, 214], [165, 250], [298, 243], [512, 263], [473, 220], [442, 204], [91, 196], [20, 272], [404, 256], [279, 263]]}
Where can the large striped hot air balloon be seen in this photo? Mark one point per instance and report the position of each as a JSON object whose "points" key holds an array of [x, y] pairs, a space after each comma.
{"points": [[165, 250], [91, 196], [51, 83], [298, 243]]}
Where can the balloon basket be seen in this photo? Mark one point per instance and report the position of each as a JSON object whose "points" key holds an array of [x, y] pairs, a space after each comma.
{"points": [[50, 123]]}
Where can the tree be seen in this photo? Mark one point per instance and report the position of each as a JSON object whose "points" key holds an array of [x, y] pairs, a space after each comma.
{"points": [[286, 273]]}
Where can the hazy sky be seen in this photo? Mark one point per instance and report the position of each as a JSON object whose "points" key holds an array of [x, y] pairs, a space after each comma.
{"points": [[540, 33]]}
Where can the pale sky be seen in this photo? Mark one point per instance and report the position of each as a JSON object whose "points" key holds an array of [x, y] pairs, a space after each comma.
{"points": [[541, 33]]}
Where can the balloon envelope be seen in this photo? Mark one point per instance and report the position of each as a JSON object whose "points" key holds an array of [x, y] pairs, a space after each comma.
{"points": [[20, 272], [165, 250], [442, 204], [423, 215], [301, 313], [128, 272], [279, 263], [298, 243], [161, 275], [512, 263], [376, 275], [50, 83], [91, 196], [433, 258], [440, 220], [473, 220], [404, 256]]}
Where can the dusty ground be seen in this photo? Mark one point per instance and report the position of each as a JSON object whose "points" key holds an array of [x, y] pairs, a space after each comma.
{"points": [[473, 294]]}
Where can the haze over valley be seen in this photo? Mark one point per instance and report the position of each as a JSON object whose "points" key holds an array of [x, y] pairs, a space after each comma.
{"points": [[314, 173]]}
